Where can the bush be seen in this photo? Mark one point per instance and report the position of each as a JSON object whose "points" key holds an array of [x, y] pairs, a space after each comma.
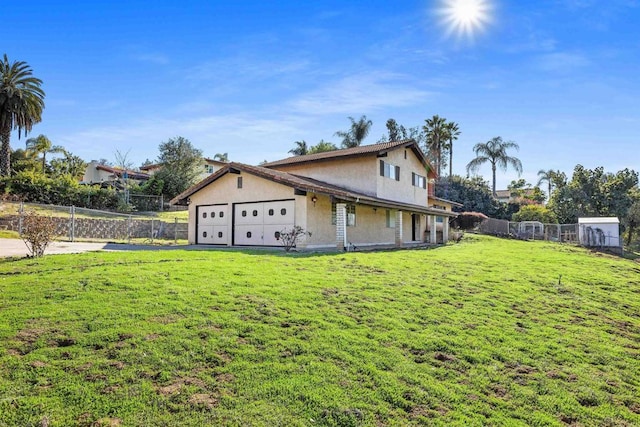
{"points": [[468, 220], [290, 238], [535, 213], [37, 233]]}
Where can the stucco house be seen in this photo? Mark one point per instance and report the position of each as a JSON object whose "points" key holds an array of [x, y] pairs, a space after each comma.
{"points": [[373, 195], [97, 173], [209, 167]]}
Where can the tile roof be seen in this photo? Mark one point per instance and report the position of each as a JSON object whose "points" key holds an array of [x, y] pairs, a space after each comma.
{"points": [[304, 184], [119, 171], [362, 150]]}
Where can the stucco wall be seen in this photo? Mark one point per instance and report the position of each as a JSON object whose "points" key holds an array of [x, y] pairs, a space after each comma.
{"points": [[355, 173], [254, 189], [403, 190]]}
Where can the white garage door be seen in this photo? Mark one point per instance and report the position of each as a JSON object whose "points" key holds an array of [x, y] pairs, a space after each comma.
{"points": [[259, 224], [212, 224]]}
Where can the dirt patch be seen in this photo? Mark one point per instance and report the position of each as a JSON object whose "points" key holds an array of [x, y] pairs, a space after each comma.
{"points": [[203, 400], [444, 357], [108, 422], [38, 364], [152, 337], [225, 378]]}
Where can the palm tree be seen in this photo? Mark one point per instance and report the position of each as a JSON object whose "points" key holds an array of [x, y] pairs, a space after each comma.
{"points": [[21, 105], [548, 176], [356, 134], [437, 132], [494, 151], [223, 157], [301, 148], [42, 144], [454, 131]]}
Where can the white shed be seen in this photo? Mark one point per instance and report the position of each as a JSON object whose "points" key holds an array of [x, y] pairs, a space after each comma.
{"points": [[599, 232]]}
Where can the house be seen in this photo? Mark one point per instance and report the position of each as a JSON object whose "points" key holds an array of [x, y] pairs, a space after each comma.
{"points": [[97, 173], [373, 195], [209, 167], [506, 196]]}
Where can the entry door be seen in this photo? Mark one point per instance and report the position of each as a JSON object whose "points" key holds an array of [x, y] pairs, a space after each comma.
{"points": [[415, 227], [212, 226]]}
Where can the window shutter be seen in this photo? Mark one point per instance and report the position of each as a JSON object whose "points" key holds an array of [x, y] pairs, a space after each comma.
{"points": [[424, 183], [397, 173], [413, 178], [381, 167]]}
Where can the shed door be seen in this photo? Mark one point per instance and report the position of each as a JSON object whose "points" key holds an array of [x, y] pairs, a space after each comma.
{"points": [[212, 224], [260, 224]]}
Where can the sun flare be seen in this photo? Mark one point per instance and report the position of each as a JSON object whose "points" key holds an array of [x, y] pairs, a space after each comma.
{"points": [[464, 18]]}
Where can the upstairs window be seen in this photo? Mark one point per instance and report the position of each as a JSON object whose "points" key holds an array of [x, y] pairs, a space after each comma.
{"points": [[389, 171], [208, 169], [419, 180]]}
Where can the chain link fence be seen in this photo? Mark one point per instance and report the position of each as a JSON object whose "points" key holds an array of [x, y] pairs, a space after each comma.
{"points": [[566, 233], [73, 223]]}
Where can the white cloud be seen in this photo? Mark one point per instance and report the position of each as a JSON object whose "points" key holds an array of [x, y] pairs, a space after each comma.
{"points": [[360, 93]]}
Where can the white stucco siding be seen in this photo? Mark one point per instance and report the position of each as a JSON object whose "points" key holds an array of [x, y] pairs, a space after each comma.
{"points": [[354, 173], [254, 189], [402, 190]]}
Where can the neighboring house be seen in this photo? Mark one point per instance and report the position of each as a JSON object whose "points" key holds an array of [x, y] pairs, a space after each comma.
{"points": [[210, 166], [367, 195], [506, 196], [97, 173]]}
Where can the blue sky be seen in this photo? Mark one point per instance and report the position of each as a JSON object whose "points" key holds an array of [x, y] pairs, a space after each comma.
{"points": [[559, 77]]}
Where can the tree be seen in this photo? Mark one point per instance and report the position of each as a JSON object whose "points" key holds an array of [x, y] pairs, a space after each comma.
{"points": [[396, 132], [437, 133], [525, 193], [632, 220], [223, 157], [356, 134], [21, 105], [181, 165], [592, 192], [68, 165], [322, 146], [473, 193], [300, 149], [42, 144], [548, 176], [494, 151], [535, 213], [453, 131]]}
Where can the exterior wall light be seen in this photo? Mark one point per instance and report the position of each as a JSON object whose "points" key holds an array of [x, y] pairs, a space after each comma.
{"points": [[314, 199]]}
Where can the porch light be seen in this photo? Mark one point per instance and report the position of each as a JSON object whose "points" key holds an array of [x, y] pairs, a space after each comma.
{"points": [[314, 199]]}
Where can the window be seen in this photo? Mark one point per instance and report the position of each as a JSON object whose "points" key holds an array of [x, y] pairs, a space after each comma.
{"points": [[221, 215], [244, 213], [204, 234], [271, 212], [351, 214], [277, 235], [213, 214], [283, 211], [208, 168], [389, 171], [419, 180], [248, 234], [239, 182], [391, 219], [255, 213], [204, 214], [220, 234]]}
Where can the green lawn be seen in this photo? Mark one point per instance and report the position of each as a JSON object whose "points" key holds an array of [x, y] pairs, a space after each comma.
{"points": [[480, 333]]}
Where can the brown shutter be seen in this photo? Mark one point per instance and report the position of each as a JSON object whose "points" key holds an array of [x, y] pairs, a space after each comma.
{"points": [[381, 167], [397, 173], [413, 178], [424, 183]]}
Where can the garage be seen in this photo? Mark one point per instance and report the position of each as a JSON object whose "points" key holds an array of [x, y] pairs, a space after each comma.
{"points": [[212, 224], [260, 224]]}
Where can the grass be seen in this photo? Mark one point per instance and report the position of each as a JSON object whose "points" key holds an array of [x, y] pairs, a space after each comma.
{"points": [[486, 332]]}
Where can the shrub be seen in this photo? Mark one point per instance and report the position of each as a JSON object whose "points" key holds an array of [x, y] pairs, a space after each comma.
{"points": [[535, 213], [468, 220], [37, 233], [290, 238]]}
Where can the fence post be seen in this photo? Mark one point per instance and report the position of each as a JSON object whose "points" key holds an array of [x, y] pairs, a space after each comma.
{"points": [[20, 216], [175, 230], [161, 202], [72, 231], [129, 229], [152, 231]]}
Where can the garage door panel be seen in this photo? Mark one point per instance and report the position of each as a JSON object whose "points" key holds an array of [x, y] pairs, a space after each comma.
{"points": [[204, 215], [279, 212], [219, 236], [249, 213], [248, 234], [219, 215], [205, 233], [272, 234]]}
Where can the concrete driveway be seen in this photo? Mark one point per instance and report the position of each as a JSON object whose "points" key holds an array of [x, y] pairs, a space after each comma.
{"points": [[17, 248]]}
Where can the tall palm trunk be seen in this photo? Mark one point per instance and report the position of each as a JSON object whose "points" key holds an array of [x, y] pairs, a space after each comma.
{"points": [[450, 157], [493, 169], [5, 152]]}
